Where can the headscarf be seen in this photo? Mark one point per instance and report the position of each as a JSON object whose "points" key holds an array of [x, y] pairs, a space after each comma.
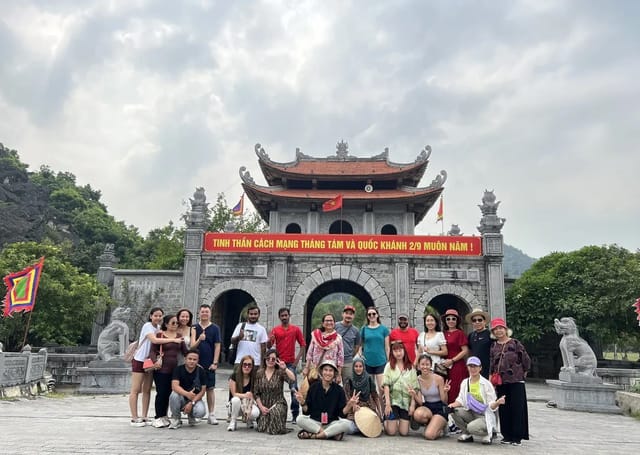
{"points": [[361, 382], [323, 339]]}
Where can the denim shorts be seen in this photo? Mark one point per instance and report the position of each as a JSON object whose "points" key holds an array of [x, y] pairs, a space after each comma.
{"points": [[211, 378]]}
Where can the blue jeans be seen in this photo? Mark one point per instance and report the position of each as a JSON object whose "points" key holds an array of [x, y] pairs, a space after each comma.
{"points": [[295, 406]]}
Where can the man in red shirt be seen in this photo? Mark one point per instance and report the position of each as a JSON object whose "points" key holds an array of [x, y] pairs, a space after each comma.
{"points": [[408, 336], [284, 338]]}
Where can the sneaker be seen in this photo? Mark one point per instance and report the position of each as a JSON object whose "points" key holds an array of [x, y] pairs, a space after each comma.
{"points": [[160, 422], [486, 440], [414, 425], [465, 437], [516, 443], [232, 426], [250, 424], [138, 422], [453, 429], [213, 420], [175, 424], [505, 442], [192, 420]]}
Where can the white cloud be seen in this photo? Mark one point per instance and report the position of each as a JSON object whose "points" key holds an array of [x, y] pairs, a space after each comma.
{"points": [[147, 100]]}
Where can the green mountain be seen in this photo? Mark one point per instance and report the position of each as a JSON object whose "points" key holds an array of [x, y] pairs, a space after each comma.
{"points": [[515, 262]]}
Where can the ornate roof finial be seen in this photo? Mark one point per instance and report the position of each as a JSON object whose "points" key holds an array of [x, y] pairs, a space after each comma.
{"points": [[197, 216], [490, 222], [342, 149]]}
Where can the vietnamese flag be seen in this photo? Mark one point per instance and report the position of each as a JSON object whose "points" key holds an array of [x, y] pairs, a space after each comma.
{"points": [[440, 211], [332, 204]]}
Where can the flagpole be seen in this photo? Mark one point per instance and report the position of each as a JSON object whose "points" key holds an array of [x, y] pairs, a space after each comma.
{"points": [[26, 330]]}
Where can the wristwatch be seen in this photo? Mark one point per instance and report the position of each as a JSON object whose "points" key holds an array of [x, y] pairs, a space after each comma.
{"points": [[193, 403]]}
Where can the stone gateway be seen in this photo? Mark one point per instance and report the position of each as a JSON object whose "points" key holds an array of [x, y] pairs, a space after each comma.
{"points": [[363, 244]]}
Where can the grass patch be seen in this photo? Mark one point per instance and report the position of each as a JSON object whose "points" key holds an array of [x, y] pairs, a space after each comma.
{"points": [[56, 395], [631, 356]]}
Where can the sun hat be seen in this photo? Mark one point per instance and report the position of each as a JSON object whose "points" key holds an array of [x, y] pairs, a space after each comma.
{"points": [[368, 422], [451, 312], [476, 312], [329, 362], [473, 360], [498, 322]]}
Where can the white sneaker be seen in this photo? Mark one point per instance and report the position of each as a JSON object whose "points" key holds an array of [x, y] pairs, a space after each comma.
{"points": [[175, 424], [465, 437], [486, 440], [250, 424], [138, 422], [232, 426], [160, 422], [213, 420], [192, 420]]}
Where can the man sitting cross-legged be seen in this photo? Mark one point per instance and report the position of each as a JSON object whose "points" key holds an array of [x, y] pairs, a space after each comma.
{"points": [[187, 391]]}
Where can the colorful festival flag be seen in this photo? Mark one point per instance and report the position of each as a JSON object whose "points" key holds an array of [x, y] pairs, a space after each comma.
{"points": [[22, 288], [238, 210], [332, 204], [440, 211]]}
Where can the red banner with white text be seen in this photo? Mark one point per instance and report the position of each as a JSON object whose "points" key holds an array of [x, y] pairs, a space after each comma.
{"points": [[420, 245]]}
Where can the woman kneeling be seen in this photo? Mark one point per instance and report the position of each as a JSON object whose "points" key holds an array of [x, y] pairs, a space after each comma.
{"points": [[428, 405], [325, 407]]}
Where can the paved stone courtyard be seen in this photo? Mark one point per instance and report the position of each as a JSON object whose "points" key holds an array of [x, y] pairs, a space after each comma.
{"points": [[100, 425]]}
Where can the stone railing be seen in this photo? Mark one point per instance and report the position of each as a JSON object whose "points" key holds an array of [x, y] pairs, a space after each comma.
{"points": [[22, 372]]}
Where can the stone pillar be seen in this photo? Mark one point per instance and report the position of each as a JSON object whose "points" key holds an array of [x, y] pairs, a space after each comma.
{"points": [[493, 247], [313, 222], [108, 260], [402, 290], [193, 244], [279, 292], [368, 223], [274, 222], [409, 221]]}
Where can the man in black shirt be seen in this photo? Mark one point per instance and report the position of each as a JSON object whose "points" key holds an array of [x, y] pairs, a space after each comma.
{"points": [[325, 407], [480, 338], [188, 386]]}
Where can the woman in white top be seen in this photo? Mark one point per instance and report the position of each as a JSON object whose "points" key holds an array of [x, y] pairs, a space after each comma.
{"points": [[432, 341], [140, 380]]}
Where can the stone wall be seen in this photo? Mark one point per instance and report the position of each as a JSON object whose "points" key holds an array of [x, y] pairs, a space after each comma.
{"points": [[63, 367], [22, 370]]}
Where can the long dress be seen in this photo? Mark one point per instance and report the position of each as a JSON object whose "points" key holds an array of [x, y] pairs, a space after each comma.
{"points": [[455, 340], [270, 392]]}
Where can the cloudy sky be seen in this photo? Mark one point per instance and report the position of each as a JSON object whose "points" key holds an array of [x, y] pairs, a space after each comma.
{"points": [[145, 100]]}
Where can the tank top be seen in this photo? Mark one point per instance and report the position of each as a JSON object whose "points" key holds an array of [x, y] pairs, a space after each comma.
{"points": [[432, 394]]}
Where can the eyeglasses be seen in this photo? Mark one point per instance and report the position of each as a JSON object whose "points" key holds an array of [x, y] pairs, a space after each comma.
{"points": [[271, 359], [329, 321], [372, 314], [451, 318], [477, 320], [173, 323], [247, 364]]}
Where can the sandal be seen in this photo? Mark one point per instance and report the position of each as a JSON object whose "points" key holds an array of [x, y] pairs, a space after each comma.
{"points": [[338, 437], [304, 435]]}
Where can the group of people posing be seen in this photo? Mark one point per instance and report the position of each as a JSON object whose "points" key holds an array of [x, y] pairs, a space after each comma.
{"points": [[446, 381]]}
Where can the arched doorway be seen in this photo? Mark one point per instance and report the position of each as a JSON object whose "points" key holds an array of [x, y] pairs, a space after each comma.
{"points": [[443, 302], [340, 227], [227, 309], [328, 288]]}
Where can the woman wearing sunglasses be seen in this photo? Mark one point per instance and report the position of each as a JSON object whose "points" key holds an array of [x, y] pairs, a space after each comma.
{"points": [[457, 351], [375, 346], [269, 393], [241, 403]]}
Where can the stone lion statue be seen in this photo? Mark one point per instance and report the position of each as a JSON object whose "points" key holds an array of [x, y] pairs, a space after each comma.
{"points": [[115, 336], [577, 355]]}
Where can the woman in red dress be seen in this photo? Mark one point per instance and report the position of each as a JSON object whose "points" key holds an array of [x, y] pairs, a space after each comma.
{"points": [[458, 349]]}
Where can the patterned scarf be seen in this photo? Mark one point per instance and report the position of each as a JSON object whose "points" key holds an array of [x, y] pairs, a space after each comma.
{"points": [[323, 339]]}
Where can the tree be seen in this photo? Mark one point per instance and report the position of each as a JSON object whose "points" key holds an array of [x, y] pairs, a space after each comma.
{"points": [[220, 215], [594, 285], [67, 300]]}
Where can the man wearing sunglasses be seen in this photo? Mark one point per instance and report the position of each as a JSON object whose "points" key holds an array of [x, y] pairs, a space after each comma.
{"points": [[408, 336], [480, 338]]}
